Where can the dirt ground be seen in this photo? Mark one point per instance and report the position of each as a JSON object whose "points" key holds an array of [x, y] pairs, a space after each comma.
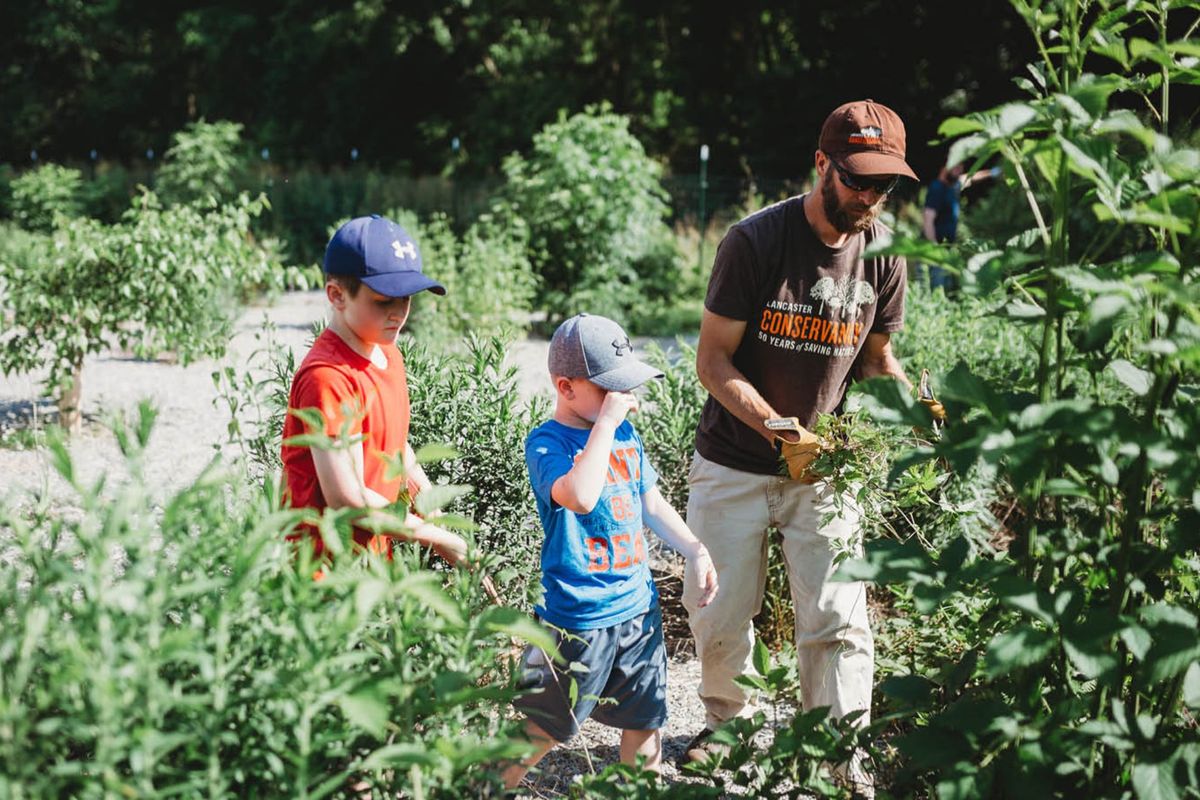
{"points": [[190, 432]]}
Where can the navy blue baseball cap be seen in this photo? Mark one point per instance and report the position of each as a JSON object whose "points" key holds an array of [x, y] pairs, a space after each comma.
{"points": [[381, 254]]}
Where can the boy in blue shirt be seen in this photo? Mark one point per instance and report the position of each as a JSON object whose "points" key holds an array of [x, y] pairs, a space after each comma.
{"points": [[595, 493]]}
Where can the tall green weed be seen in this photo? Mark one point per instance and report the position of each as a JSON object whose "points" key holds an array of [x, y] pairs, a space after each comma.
{"points": [[167, 646]]}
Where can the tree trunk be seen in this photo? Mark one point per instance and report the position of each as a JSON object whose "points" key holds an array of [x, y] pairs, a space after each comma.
{"points": [[70, 410]]}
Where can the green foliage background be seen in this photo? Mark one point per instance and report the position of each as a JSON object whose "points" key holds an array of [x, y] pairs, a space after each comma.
{"points": [[1035, 560]]}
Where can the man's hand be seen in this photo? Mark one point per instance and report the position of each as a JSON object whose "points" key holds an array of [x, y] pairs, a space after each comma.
{"points": [[927, 398], [617, 405], [798, 446], [701, 573]]}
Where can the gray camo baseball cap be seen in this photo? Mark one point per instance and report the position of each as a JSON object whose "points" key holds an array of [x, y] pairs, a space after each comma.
{"points": [[592, 347]]}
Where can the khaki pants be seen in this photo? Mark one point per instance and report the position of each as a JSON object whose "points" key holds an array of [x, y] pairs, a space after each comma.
{"points": [[730, 511]]}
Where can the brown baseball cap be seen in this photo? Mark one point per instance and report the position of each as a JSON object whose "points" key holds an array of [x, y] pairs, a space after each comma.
{"points": [[866, 138]]}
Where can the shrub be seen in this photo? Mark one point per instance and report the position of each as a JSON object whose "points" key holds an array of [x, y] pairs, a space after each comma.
{"points": [[183, 649], [1081, 676], [471, 403], [489, 282], [595, 212], [44, 193], [163, 279], [204, 164]]}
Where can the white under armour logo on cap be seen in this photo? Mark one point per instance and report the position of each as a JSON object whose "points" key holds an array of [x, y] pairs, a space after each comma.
{"points": [[406, 250]]}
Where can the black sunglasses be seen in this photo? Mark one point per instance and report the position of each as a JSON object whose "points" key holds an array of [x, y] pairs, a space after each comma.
{"points": [[861, 183]]}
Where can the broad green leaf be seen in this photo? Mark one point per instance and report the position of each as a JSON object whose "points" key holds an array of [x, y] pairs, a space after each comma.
{"points": [[1142, 50], [1156, 781], [502, 619], [1137, 639], [1191, 686], [426, 587], [1174, 650], [1024, 310], [1083, 164], [436, 452], [1137, 380], [1065, 487], [1022, 594], [886, 400], [1013, 117], [933, 747], [1021, 647], [454, 522], [762, 658], [367, 595], [367, 709], [438, 496], [1088, 645], [912, 690], [968, 147], [401, 755], [957, 126]]}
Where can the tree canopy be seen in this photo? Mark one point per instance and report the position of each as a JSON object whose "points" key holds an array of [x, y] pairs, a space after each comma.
{"points": [[400, 82]]}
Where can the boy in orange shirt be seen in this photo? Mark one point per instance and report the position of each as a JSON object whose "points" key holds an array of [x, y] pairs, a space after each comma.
{"points": [[354, 375]]}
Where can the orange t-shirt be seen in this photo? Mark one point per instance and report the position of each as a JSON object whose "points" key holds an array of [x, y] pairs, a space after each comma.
{"points": [[347, 388]]}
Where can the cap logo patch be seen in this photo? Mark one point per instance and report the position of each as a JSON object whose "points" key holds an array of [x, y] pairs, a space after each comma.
{"points": [[404, 251], [622, 346], [868, 134]]}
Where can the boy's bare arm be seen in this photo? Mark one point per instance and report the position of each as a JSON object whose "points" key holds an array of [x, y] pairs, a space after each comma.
{"points": [[340, 471], [665, 521], [662, 518], [579, 490], [414, 471]]}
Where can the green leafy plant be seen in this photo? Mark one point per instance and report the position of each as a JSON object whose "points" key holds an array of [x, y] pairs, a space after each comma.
{"points": [[470, 402], [489, 282], [165, 278], [45, 193], [595, 212], [204, 164], [173, 646], [1082, 677]]}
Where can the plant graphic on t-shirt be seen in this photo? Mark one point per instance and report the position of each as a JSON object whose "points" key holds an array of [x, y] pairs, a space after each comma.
{"points": [[844, 296]]}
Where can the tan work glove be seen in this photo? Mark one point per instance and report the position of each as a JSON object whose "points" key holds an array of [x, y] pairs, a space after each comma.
{"points": [[927, 399], [799, 450]]}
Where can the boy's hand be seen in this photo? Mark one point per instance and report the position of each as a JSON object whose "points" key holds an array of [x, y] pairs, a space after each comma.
{"points": [[703, 574], [453, 548], [616, 406], [446, 544]]}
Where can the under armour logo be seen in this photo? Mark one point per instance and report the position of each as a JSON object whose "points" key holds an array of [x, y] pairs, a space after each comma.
{"points": [[623, 346], [406, 250]]}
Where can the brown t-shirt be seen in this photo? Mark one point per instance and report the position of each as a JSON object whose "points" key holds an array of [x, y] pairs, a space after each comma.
{"points": [[808, 309]]}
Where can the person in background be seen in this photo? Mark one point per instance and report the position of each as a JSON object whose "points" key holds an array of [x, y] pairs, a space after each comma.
{"points": [[942, 211]]}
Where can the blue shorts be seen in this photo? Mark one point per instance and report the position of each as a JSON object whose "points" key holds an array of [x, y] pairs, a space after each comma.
{"points": [[624, 685]]}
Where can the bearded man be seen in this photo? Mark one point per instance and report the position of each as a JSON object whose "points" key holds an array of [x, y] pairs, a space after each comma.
{"points": [[793, 311]]}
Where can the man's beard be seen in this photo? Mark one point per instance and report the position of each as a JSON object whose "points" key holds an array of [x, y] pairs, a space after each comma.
{"points": [[842, 220]]}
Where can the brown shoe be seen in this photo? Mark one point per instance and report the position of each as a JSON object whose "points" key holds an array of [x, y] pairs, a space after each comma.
{"points": [[700, 749]]}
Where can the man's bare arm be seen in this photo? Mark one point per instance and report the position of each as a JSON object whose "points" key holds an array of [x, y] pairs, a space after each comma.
{"points": [[878, 359], [719, 340], [927, 228]]}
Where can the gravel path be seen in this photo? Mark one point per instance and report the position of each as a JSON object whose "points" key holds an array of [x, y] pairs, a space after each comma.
{"points": [[189, 434]]}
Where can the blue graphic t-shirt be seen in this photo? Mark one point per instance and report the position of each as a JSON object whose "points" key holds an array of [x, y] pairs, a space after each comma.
{"points": [[594, 568]]}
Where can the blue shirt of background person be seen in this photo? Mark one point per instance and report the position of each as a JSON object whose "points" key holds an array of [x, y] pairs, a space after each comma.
{"points": [[943, 199], [594, 566], [942, 209]]}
